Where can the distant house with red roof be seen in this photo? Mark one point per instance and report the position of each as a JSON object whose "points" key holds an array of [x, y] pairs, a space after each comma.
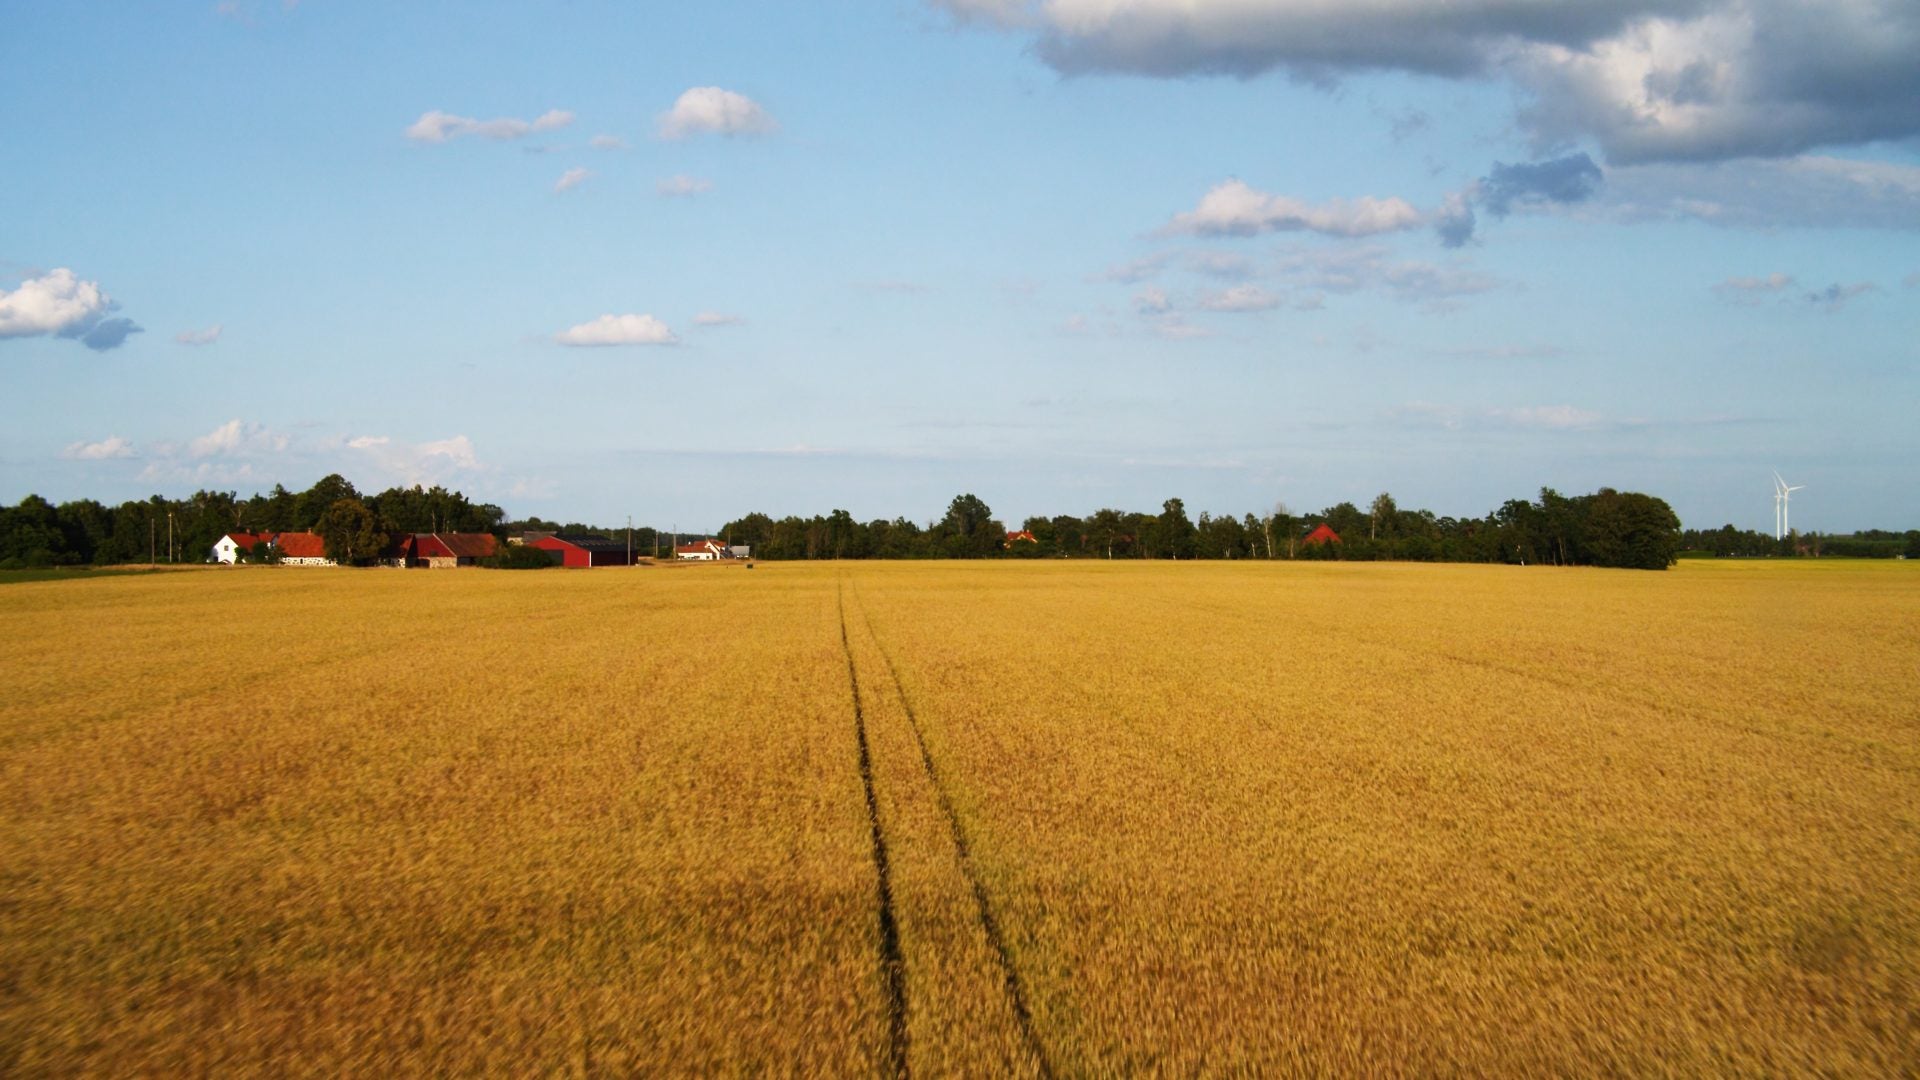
{"points": [[703, 551], [233, 546], [1021, 536], [1322, 535], [302, 549], [452, 549]]}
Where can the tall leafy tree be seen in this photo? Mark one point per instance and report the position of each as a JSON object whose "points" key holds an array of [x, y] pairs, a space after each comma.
{"points": [[351, 533]]}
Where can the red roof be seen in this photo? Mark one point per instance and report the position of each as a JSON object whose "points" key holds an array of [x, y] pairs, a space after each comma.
{"points": [[1322, 535], [301, 545], [697, 549], [1021, 535], [455, 545], [245, 541]]}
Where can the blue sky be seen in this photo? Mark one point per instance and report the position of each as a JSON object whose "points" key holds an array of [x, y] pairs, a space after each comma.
{"points": [[691, 261]]}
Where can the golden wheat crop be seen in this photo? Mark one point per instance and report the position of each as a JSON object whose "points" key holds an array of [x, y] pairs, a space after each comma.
{"points": [[1133, 818]]}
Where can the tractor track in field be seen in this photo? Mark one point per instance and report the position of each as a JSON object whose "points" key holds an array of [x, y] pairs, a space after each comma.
{"points": [[1010, 975], [892, 964]]}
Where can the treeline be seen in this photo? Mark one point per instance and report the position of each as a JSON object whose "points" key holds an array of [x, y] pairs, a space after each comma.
{"points": [[84, 532], [1606, 528], [1729, 542]]}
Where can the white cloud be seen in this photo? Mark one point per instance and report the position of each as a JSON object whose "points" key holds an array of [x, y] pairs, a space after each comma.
{"points": [[711, 109], [1239, 298], [607, 142], [61, 304], [618, 330], [199, 337], [683, 185], [397, 461], [435, 126], [113, 446], [715, 318], [236, 438], [571, 179], [50, 304], [1235, 209]]}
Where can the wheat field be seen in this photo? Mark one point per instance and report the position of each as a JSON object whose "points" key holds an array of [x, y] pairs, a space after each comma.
{"points": [[1006, 818]]}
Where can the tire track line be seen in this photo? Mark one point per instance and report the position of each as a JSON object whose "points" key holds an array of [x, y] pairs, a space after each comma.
{"points": [[892, 964], [1016, 992]]}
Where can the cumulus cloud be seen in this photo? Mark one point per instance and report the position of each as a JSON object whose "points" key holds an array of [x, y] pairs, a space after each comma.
{"points": [[571, 179], [618, 330], [407, 463], [715, 318], [1649, 80], [683, 186], [712, 109], [435, 126], [237, 438], [113, 446], [61, 304], [199, 337], [1235, 209]]}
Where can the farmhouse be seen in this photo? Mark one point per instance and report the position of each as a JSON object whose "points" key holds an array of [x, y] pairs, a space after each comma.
{"points": [[703, 551], [302, 549], [453, 549], [581, 550], [1019, 536], [232, 546], [1322, 535]]}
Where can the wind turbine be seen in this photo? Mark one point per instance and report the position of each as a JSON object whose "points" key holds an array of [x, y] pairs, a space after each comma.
{"points": [[1776, 506], [1786, 502]]}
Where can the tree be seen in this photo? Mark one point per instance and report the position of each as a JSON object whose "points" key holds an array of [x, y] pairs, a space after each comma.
{"points": [[1631, 530], [312, 504], [1176, 531], [350, 533], [1381, 516], [969, 530]]}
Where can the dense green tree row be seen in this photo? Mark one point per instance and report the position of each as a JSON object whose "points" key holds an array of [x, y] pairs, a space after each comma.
{"points": [[1606, 528], [85, 532]]}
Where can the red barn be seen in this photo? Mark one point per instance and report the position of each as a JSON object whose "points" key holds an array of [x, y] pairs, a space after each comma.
{"points": [[1322, 535], [580, 550]]}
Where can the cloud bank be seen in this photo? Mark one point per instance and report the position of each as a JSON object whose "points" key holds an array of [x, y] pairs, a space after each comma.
{"points": [[1648, 80]]}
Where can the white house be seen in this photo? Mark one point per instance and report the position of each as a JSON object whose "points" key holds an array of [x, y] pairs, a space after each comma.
{"points": [[702, 551], [231, 547]]}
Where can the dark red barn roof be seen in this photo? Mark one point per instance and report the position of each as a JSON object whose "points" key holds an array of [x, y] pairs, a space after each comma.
{"points": [[1322, 535]]}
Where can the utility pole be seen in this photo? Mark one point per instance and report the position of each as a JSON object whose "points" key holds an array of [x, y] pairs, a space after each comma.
{"points": [[629, 539], [169, 536], [151, 544]]}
